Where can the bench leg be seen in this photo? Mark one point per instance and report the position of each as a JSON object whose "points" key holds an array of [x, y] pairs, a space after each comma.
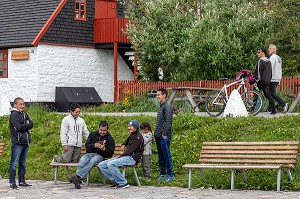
{"points": [[278, 179], [294, 104], [232, 179], [68, 171], [101, 176], [0, 177], [202, 174], [290, 175], [244, 175], [124, 172], [88, 178], [55, 174], [190, 179], [136, 176]]}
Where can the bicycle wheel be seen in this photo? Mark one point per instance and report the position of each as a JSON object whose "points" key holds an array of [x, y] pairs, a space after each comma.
{"points": [[215, 103], [253, 102]]}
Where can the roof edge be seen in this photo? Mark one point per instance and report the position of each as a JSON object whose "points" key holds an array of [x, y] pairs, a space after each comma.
{"points": [[49, 22]]}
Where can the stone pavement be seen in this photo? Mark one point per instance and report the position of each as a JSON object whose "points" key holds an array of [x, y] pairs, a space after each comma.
{"points": [[64, 190]]}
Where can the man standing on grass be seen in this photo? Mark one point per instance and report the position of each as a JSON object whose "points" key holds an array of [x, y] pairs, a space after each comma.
{"points": [[163, 136], [19, 124]]}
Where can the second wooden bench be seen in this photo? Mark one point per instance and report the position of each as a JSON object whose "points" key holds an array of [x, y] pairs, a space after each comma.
{"points": [[246, 155]]}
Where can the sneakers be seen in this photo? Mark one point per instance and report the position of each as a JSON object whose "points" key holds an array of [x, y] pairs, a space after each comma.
{"points": [[160, 177], [13, 186], [169, 178], [273, 112], [76, 182], [124, 186], [285, 108], [113, 186], [24, 184]]}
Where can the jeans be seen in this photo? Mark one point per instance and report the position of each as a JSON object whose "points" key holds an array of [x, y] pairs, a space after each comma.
{"points": [[87, 162], [19, 153], [164, 156], [110, 168], [273, 93]]}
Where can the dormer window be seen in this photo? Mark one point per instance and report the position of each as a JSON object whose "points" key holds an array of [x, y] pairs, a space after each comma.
{"points": [[80, 10]]}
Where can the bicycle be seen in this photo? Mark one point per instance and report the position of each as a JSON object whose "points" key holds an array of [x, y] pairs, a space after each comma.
{"points": [[216, 100]]}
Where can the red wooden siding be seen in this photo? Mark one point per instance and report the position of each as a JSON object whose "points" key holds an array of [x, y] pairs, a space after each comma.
{"points": [[110, 30], [135, 88]]}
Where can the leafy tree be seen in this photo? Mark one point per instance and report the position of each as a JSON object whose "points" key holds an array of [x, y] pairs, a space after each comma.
{"points": [[286, 35], [216, 43]]}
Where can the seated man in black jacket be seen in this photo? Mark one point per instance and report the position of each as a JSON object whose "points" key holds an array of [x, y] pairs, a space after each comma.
{"points": [[131, 156], [99, 145]]}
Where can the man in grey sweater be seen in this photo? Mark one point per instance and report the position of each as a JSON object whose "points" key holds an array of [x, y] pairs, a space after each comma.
{"points": [[276, 76], [72, 129]]}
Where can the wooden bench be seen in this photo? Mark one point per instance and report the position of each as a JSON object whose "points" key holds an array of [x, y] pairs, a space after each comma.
{"points": [[2, 146], [117, 152], [246, 155]]}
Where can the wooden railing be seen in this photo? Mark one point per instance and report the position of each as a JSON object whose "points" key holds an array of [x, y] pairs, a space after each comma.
{"points": [[108, 30], [136, 88]]}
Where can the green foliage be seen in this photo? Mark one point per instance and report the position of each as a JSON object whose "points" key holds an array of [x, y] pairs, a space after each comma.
{"points": [[189, 131], [217, 43], [285, 20]]}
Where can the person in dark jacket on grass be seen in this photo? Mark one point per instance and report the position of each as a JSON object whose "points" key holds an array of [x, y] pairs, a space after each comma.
{"points": [[134, 147], [263, 76], [99, 145], [19, 124], [163, 136]]}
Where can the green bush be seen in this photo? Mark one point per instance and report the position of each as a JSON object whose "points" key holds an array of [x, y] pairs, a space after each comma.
{"points": [[189, 131]]}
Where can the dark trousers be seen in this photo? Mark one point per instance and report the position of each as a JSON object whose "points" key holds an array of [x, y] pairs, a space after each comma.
{"points": [[265, 88], [164, 156], [19, 154], [272, 87]]}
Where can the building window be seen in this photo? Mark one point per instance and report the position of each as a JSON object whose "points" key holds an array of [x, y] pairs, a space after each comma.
{"points": [[3, 64], [80, 10]]}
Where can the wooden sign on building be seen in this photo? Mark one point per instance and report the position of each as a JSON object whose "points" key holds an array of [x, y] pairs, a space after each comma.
{"points": [[20, 55]]}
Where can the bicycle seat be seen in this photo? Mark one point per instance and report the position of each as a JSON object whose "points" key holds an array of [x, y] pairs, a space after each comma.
{"points": [[223, 79]]}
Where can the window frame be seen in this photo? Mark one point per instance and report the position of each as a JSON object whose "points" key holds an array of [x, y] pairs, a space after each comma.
{"points": [[4, 59], [80, 10]]}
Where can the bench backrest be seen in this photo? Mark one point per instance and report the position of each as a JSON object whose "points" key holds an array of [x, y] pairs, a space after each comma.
{"points": [[272, 153], [117, 151], [2, 145]]}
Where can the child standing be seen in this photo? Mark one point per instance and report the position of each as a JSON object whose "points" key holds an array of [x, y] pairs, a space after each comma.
{"points": [[146, 157]]}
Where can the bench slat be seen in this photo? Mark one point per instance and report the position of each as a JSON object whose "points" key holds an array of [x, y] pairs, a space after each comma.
{"points": [[233, 156], [249, 152], [252, 147], [251, 143], [227, 166], [269, 161]]}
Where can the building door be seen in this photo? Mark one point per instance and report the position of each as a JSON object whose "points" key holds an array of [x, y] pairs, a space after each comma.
{"points": [[105, 9]]}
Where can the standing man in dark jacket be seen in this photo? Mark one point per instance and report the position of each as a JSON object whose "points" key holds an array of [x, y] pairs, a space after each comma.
{"points": [[263, 75], [19, 124], [163, 136], [99, 145], [134, 148]]}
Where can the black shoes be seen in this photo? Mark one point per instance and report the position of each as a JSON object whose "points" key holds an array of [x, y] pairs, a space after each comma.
{"points": [[75, 180], [13, 186], [24, 184], [113, 186], [124, 186]]}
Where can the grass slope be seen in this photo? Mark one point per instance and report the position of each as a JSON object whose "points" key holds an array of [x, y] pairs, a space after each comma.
{"points": [[189, 131]]}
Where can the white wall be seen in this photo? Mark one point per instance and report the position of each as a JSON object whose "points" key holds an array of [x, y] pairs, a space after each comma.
{"points": [[22, 77], [59, 66]]}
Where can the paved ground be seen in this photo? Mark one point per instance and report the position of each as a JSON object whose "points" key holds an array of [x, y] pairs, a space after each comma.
{"points": [[46, 190]]}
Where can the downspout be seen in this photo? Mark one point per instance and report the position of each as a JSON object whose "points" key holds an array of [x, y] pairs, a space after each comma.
{"points": [[116, 37]]}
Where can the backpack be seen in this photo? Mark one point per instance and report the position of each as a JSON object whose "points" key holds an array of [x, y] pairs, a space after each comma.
{"points": [[245, 73]]}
